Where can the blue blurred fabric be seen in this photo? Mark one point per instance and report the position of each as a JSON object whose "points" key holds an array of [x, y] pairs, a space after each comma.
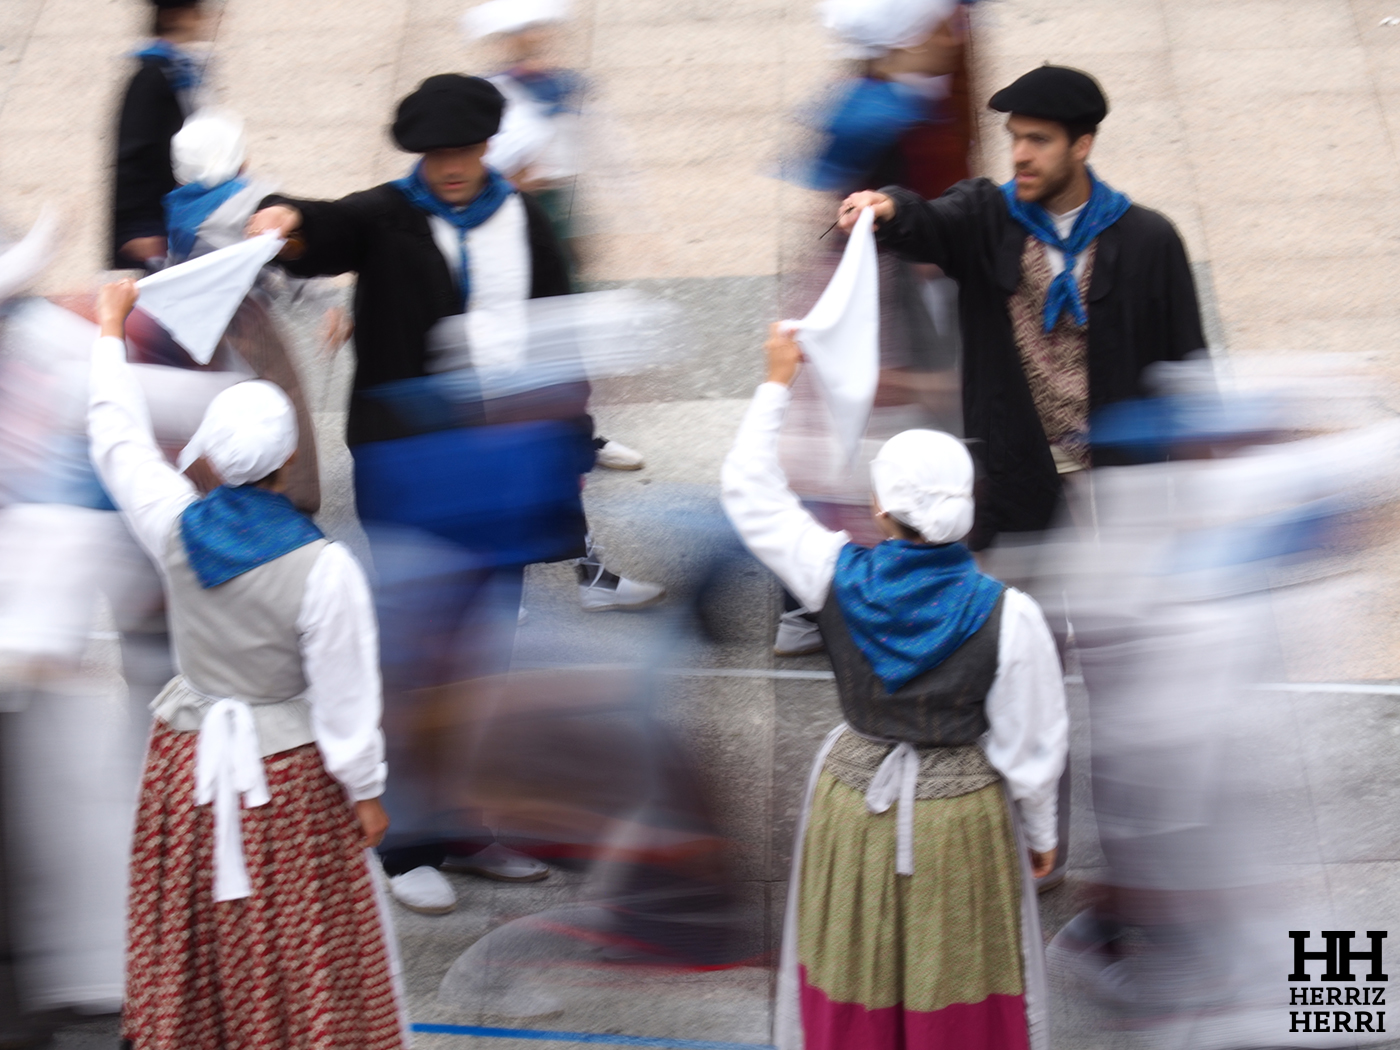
{"points": [[507, 493]]}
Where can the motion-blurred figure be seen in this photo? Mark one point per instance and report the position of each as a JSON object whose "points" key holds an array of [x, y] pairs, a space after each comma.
{"points": [[276, 709], [547, 136], [911, 917], [457, 495], [159, 97], [210, 208], [1167, 581], [900, 117], [1067, 291]]}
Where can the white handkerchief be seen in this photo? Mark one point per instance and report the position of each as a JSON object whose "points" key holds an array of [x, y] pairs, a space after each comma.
{"points": [[195, 300], [841, 336]]}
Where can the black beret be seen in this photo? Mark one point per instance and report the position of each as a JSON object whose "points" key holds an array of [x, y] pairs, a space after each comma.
{"points": [[1054, 93], [448, 111]]}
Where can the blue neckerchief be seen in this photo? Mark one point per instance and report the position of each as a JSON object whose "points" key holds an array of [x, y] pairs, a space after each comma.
{"points": [[862, 122], [1104, 207], [464, 217], [182, 69], [232, 531], [555, 90], [909, 606], [186, 208]]}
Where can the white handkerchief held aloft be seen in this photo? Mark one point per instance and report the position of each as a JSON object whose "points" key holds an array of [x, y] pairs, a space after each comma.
{"points": [[195, 301], [840, 337]]}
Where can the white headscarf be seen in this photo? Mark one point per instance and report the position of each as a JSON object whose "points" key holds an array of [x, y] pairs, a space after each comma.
{"points": [[511, 16], [209, 149], [871, 28], [923, 479], [248, 431]]}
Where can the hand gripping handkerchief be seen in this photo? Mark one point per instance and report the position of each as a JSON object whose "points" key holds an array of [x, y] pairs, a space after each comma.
{"points": [[195, 301], [841, 336]]}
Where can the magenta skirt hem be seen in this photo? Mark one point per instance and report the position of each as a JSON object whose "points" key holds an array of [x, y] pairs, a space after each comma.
{"points": [[998, 1022]]}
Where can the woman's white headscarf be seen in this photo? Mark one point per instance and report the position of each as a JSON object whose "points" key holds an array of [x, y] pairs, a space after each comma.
{"points": [[209, 149], [923, 479], [248, 431], [511, 16], [871, 28]]}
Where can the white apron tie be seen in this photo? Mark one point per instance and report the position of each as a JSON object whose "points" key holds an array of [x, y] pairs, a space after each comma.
{"points": [[897, 778], [228, 768]]}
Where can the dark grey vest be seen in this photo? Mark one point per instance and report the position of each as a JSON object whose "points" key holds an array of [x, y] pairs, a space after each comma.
{"points": [[943, 707], [239, 640]]}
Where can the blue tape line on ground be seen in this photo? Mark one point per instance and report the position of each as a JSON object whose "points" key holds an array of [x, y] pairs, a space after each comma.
{"points": [[583, 1037]]}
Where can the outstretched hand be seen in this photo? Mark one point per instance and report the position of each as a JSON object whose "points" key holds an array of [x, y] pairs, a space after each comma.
{"points": [[281, 219], [856, 203], [784, 355], [115, 302]]}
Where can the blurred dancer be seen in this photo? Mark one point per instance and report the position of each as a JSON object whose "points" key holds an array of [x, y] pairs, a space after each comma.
{"points": [[465, 506], [1173, 595], [898, 120], [158, 99], [1067, 291], [543, 135], [918, 927], [899, 117], [276, 708], [210, 208]]}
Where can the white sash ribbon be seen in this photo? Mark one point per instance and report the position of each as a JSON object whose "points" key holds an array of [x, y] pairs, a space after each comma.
{"points": [[897, 778], [228, 771]]}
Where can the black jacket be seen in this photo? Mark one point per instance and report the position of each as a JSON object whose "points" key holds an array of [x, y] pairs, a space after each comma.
{"points": [[404, 286], [150, 116], [1142, 308]]}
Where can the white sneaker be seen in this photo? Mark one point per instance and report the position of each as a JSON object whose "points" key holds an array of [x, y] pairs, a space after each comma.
{"points": [[797, 635], [499, 863], [608, 590], [424, 890], [616, 456]]}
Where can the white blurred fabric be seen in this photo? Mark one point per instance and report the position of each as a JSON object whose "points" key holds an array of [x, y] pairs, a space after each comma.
{"points": [[871, 28], [209, 148], [511, 16], [24, 260]]}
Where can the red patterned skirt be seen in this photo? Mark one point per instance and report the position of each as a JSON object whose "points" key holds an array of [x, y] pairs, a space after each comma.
{"points": [[301, 964]]}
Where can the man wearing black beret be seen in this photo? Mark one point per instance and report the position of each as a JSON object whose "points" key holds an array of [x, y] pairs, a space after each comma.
{"points": [[457, 495], [1067, 293]]}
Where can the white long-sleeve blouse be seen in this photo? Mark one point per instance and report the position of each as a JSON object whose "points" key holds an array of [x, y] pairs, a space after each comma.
{"points": [[1028, 736], [339, 638]]}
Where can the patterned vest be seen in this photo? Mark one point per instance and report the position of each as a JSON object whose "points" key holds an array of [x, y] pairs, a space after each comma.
{"points": [[1056, 363]]}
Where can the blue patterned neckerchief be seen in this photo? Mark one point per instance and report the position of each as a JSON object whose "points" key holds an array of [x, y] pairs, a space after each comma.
{"points": [[234, 530], [182, 69], [187, 206], [485, 204], [910, 605], [1104, 207], [556, 90]]}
